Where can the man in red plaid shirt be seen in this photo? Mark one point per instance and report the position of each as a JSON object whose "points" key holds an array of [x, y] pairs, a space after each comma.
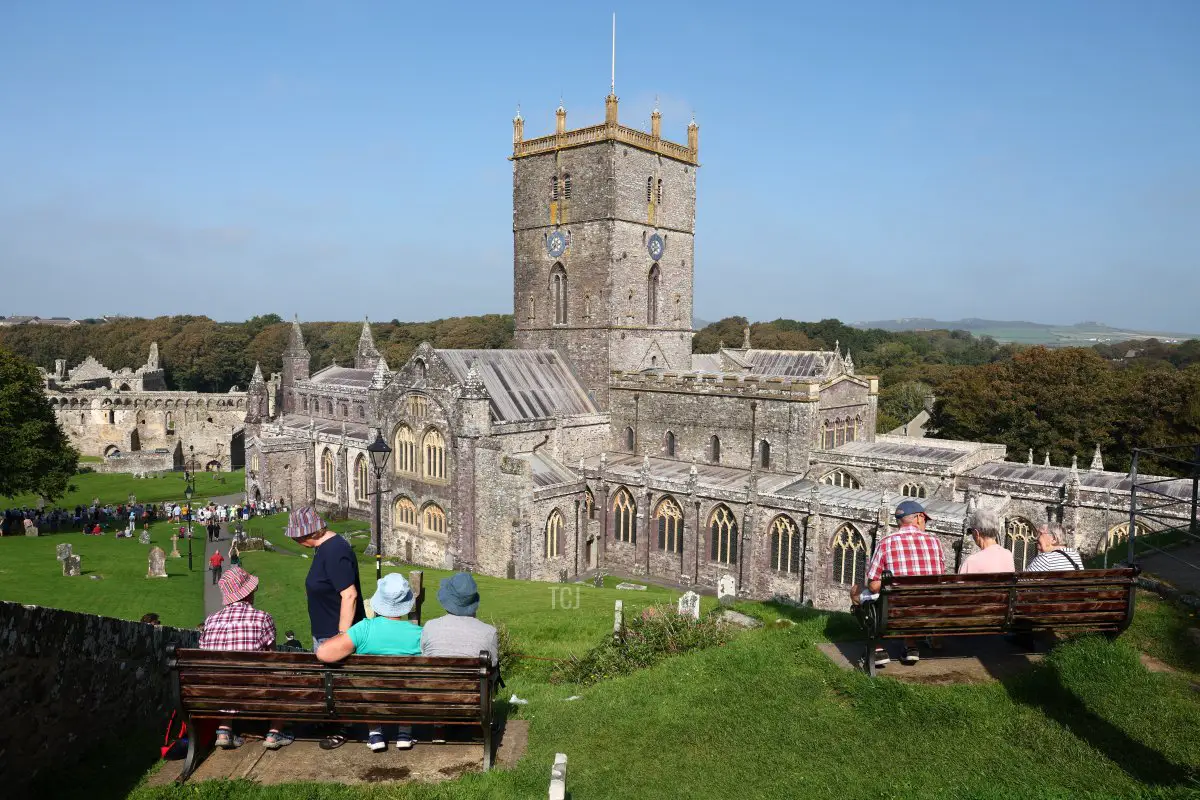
{"points": [[908, 551], [241, 626]]}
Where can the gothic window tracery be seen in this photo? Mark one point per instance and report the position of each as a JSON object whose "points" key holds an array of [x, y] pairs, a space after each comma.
{"points": [[328, 473], [624, 517], [405, 513], [558, 293], [912, 490], [668, 517], [553, 534], [360, 478], [1020, 537], [434, 445], [723, 536], [435, 520], [787, 543], [842, 479], [405, 450], [849, 555]]}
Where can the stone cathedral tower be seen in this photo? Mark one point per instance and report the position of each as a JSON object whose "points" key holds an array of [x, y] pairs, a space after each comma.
{"points": [[603, 239]]}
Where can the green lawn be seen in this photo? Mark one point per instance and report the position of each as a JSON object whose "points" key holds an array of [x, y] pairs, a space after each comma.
{"points": [[115, 487], [766, 716], [29, 573]]}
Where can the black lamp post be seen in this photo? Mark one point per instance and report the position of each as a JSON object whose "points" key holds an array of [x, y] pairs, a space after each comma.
{"points": [[189, 489], [379, 453]]}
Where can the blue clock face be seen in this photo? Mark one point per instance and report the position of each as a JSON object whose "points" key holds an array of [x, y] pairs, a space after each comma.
{"points": [[556, 244], [655, 246]]}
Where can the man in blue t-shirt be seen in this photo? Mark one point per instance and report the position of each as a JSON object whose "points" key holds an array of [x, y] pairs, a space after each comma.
{"points": [[388, 633], [335, 600]]}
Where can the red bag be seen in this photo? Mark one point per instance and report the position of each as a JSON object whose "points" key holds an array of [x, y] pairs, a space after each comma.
{"points": [[174, 741]]}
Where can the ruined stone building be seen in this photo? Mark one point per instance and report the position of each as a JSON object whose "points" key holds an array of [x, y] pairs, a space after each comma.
{"points": [[130, 419], [603, 443]]}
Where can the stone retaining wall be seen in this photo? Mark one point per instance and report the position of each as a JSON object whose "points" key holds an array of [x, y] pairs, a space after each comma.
{"points": [[68, 681]]}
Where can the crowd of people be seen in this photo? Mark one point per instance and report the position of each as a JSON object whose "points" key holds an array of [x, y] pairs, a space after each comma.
{"points": [[124, 518], [340, 625], [910, 550]]}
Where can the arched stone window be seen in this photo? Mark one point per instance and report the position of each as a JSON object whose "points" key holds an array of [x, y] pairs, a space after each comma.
{"points": [[764, 454], [329, 407], [418, 406], [912, 490], [435, 520], [670, 444], [423, 368], [1020, 536], [849, 555], [553, 535], [714, 449], [652, 282], [723, 536], [558, 293], [787, 543], [650, 190], [405, 513], [553, 187], [170, 424], [112, 417], [624, 517], [254, 462], [328, 473], [360, 478], [434, 446], [566, 186], [668, 517], [1119, 534], [405, 445], [841, 478], [589, 503], [660, 191], [629, 442]]}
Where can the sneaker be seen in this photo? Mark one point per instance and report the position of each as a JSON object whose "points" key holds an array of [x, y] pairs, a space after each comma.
{"points": [[277, 739], [227, 741], [377, 743], [404, 743], [882, 657], [911, 655]]}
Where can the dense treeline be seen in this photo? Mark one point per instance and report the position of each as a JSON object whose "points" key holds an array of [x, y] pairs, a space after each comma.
{"points": [[202, 355]]}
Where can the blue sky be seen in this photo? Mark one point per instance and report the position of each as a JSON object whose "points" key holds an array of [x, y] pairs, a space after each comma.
{"points": [[864, 160]]}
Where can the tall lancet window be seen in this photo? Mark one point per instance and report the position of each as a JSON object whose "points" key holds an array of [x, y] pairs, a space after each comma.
{"points": [[652, 296], [554, 187], [558, 291]]}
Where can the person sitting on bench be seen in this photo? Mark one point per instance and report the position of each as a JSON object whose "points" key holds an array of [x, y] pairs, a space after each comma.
{"points": [[241, 626], [984, 527], [388, 633], [907, 551], [1052, 555], [459, 633]]}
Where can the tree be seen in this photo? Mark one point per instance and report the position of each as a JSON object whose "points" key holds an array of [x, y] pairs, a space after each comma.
{"points": [[36, 454]]}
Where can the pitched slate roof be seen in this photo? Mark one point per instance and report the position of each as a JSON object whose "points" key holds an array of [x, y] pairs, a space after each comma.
{"points": [[523, 384], [924, 450], [344, 376], [789, 363], [548, 471]]}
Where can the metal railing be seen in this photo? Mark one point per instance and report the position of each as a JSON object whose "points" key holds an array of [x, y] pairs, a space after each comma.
{"points": [[1163, 510]]}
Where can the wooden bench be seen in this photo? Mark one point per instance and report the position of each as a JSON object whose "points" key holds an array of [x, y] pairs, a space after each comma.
{"points": [[1022, 603], [229, 686]]}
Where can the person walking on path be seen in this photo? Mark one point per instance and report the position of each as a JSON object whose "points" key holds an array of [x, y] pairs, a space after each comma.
{"points": [[214, 562], [335, 598]]}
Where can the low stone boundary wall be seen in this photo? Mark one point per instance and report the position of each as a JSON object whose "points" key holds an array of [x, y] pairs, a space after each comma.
{"points": [[69, 681]]}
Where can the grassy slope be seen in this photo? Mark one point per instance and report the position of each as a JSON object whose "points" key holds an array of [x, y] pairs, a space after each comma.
{"points": [[115, 487], [768, 716]]}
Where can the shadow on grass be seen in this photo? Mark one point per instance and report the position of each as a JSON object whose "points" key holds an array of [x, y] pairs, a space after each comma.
{"points": [[837, 626], [1043, 689]]}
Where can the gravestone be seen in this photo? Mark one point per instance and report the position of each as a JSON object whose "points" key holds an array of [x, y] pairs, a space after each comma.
{"points": [[144, 537], [30, 528], [63, 551], [598, 581], [157, 563], [370, 551], [726, 590], [558, 777], [737, 618], [618, 620], [689, 605], [175, 547], [633, 587], [71, 566]]}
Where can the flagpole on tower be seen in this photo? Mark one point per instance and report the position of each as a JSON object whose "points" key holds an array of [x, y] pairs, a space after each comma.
{"points": [[613, 84]]}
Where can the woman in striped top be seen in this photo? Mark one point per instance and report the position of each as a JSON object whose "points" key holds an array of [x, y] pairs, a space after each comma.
{"points": [[1052, 555]]}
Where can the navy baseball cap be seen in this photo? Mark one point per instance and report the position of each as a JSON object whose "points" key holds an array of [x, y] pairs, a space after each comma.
{"points": [[909, 507]]}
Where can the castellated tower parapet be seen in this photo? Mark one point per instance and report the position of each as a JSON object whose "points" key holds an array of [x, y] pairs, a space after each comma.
{"points": [[603, 243]]}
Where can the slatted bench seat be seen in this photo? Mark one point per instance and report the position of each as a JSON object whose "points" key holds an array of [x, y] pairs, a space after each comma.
{"points": [[229, 686], [1024, 603]]}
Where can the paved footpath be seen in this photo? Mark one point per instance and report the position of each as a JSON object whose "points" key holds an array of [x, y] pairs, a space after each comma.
{"points": [[212, 593]]}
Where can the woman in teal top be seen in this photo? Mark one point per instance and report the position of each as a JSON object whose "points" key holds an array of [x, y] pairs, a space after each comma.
{"points": [[388, 633]]}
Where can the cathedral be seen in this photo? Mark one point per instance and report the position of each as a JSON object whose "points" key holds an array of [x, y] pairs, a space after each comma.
{"points": [[603, 443]]}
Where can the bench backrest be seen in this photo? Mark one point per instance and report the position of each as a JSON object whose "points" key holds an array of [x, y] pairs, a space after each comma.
{"points": [[296, 686], [1090, 599]]}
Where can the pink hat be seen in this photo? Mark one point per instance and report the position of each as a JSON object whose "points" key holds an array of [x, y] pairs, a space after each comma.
{"points": [[303, 522], [237, 584]]}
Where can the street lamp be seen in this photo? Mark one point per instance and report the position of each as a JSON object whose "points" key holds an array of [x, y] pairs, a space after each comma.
{"points": [[379, 453], [189, 490]]}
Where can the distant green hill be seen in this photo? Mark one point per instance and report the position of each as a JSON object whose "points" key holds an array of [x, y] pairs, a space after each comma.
{"points": [[1019, 331]]}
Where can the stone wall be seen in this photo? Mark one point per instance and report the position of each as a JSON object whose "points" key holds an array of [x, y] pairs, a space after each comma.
{"points": [[75, 680]]}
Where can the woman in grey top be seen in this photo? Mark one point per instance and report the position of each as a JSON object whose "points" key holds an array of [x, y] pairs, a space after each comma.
{"points": [[1052, 555], [459, 633]]}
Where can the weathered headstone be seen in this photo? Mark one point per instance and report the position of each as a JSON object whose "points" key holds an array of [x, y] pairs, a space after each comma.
{"points": [[157, 563], [63, 551], [175, 547], [689, 605], [618, 620], [369, 551], [144, 537], [598, 581], [71, 566], [726, 590], [738, 618], [558, 777]]}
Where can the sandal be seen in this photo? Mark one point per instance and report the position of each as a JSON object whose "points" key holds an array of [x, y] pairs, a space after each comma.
{"points": [[333, 741]]}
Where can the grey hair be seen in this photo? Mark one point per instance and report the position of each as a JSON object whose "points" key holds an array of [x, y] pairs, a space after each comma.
{"points": [[1054, 530], [984, 520]]}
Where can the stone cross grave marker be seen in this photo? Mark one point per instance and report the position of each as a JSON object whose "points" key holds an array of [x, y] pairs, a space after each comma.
{"points": [[71, 566], [175, 547], [63, 551], [689, 605], [726, 590], [144, 537], [157, 563]]}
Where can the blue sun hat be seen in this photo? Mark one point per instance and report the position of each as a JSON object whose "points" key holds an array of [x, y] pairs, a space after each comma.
{"points": [[393, 596], [459, 595]]}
